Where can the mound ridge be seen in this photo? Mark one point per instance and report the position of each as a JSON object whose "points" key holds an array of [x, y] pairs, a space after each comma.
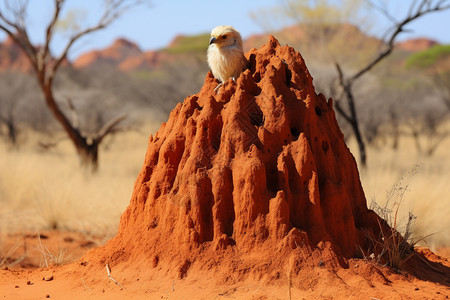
{"points": [[258, 170]]}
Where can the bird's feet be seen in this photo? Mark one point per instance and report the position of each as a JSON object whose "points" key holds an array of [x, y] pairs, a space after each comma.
{"points": [[217, 87], [220, 84]]}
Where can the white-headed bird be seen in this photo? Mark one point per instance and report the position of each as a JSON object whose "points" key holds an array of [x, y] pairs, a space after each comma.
{"points": [[225, 53]]}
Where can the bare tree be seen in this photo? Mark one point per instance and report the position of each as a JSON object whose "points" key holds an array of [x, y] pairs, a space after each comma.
{"points": [[442, 81], [13, 22], [8, 119], [416, 10], [428, 132], [327, 34], [17, 88]]}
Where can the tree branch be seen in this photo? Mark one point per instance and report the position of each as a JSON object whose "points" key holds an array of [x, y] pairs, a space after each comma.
{"points": [[114, 9], [108, 128], [399, 28], [338, 106], [20, 36], [75, 118], [49, 32], [384, 10]]}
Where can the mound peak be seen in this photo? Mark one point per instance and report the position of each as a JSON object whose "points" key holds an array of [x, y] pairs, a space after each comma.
{"points": [[257, 169]]}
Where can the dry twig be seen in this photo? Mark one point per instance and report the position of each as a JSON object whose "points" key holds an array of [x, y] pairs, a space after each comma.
{"points": [[108, 270]]}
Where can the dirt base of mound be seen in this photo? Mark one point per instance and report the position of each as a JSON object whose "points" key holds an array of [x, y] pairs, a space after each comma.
{"points": [[360, 280], [33, 250]]}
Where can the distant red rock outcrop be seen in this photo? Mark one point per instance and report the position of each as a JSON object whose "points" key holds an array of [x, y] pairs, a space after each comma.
{"points": [[13, 58], [251, 174], [145, 61], [115, 54], [176, 40], [416, 45]]}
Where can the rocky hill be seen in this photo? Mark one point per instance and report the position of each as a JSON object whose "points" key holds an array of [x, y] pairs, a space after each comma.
{"points": [[416, 45], [12, 57], [115, 54], [127, 56]]}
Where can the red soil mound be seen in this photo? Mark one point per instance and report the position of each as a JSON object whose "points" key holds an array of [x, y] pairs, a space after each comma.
{"points": [[248, 194], [259, 169]]}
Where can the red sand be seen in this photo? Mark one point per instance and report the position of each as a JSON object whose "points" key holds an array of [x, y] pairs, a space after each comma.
{"points": [[361, 280], [251, 194]]}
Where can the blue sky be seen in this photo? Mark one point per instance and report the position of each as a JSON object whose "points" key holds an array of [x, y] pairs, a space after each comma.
{"points": [[154, 26]]}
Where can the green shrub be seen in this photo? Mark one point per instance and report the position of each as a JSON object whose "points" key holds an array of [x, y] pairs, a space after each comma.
{"points": [[428, 57], [189, 44]]}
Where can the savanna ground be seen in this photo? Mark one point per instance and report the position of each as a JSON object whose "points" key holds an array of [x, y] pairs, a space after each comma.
{"points": [[52, 211]]}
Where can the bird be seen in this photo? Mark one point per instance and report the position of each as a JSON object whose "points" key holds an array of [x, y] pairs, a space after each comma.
{"points": [[225, 54]]}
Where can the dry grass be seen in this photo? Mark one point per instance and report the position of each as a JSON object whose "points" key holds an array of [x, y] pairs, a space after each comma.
{"points": [[396, 244], [426, 194], [47, 189], [6, 255], [57, 257], [41, 190]]}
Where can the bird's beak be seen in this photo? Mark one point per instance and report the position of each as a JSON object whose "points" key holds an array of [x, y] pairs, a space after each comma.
{"points": [[212, 40]]}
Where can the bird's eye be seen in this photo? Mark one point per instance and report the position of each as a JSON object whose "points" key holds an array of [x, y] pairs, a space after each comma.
{"points": [[224, 37]]}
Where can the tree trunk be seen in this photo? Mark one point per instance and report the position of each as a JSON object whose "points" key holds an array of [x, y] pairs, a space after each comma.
{"points": [[12, 132], [395, 130], [361, 144], [87, 152], [89, 156], [416, 137], [354, 122]]}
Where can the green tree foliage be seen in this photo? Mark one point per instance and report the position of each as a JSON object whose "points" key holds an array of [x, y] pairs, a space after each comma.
{"points": [[435, 63], [429, 58], [190, 44]]}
